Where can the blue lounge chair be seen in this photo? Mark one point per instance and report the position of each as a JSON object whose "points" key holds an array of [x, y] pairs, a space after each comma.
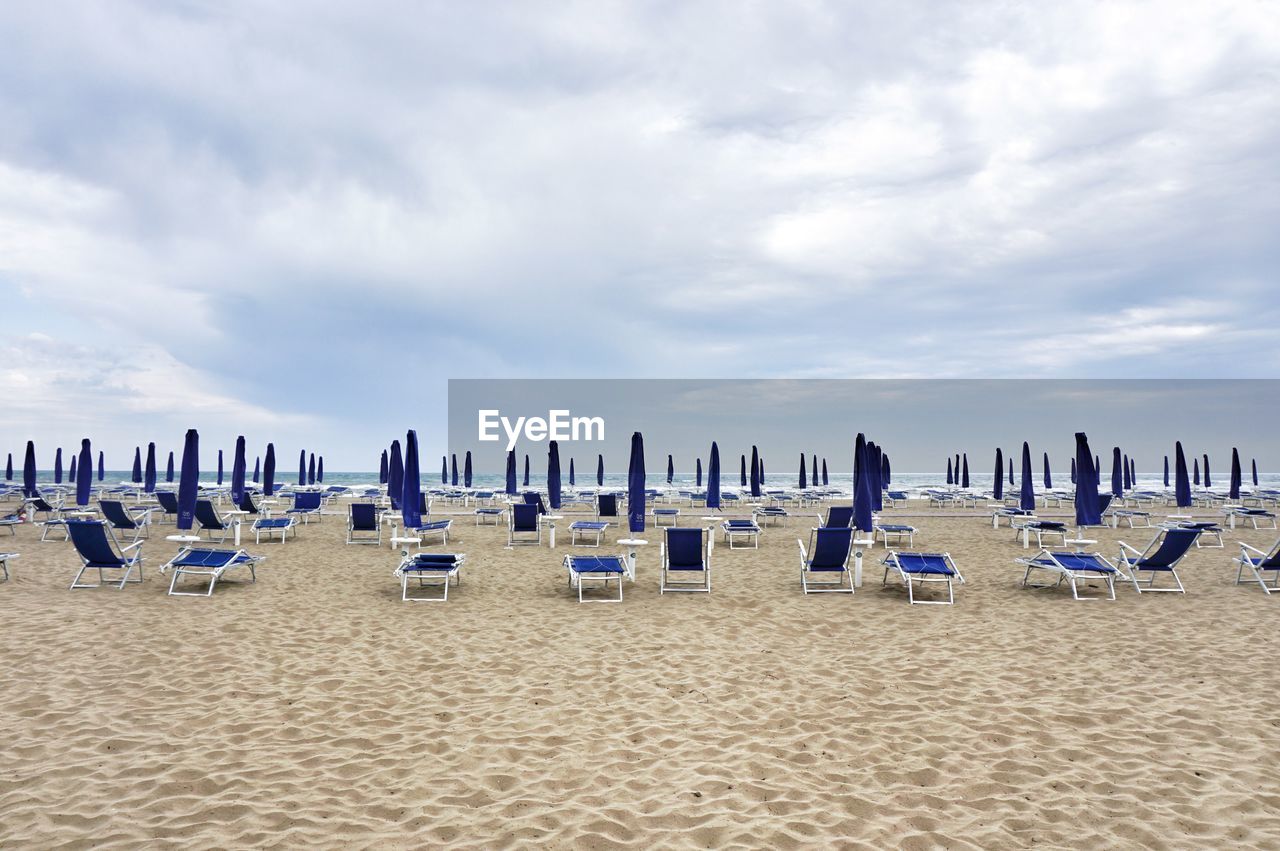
{"points": [[11, 522], [774, 513], [1254, 516], [684, 553], [208, 564], [1043, 529], [607, 507], [430, 527], [736, 529], [602, 569], [4, 564], [917, 569], [1259, 563], [837, 516], [269, 526], [168, 505], [307, 504], [489, 514], [210, 521], [123, 520], [827, 556], [429, 569], [1075, 568], [897, 531], [1206, 528], [585, 528], [98, 550], [1162, 555], [671, 515], [247, 504], [535, 499], [364, 524], [524, 520]]}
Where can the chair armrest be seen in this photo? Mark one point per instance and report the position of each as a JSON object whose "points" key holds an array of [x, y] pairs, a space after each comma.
{"points": [[131, 546], [1124, 546], [1244, 548]]}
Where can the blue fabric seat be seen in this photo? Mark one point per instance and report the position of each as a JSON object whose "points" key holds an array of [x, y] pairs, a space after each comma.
{"points": [[916, 570], [98, 550]]}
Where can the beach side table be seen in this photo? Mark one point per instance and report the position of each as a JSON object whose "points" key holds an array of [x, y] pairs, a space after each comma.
{"points": [[235, 518], [1081, 544], [858, 544], [711, 531], [631, 544], [183, 539], [551, 524]]}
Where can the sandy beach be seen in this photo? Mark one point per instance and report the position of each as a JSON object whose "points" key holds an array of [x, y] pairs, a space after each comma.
{"points": [[316, 709]]}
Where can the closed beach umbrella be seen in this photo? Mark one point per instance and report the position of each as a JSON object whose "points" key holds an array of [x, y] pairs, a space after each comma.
{"points": [[1166, 471], [761, 469], [302, 466], [168, 470], [1116, 483], [755, 471], [824, 472], [1097, 469], [1073, 471], [950, 478], [453, 468], [71, 474], [1235, 474], [635, 485], [553, 475], [1207, 482], [220, 467], [257, 469], [713, 477], [814, 477], [320, 468], [1011, 471], [957, 474], [1088, 509], [997, 489], [804, 475], [238, 465], [466, 470], [444, 470], [511, 472], [885, 472], [572, 475], [189, 481], [1027, 497], [102, 468], [1181, 487], [862, 486], [311, 470], [600, 470], [671, 469], [1126, 483], [697, 479], [411, 486], [526, 469], [29, 471], [85, 465], [149, 472], [382, 468], [1048, 477], [1195, 470], [1255, 472], [877, 492], [964, 471], [137, 465], [269, 471], [395, 472], [744, 472], [8, 469], [57, 467], [1133, 472]]}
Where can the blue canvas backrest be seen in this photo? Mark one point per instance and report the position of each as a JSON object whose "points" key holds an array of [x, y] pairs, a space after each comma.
{"points": [[91, 541], [307, 500], [113, 510], [1272, 559], [1174, 546], [1104, 502], [608, 505], [168, 501], [532, 498], [524, 517], [206, 516], [39, 503], [684, 547], [839, 515], [831, 546], [364, 515], [247, 503]]}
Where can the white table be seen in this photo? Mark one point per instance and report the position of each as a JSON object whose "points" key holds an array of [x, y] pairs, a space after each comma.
{"points": [[551, 518], [631, 544], [235, 516], [711, 531], [1081, 544], [183, 539], [858, 544]]}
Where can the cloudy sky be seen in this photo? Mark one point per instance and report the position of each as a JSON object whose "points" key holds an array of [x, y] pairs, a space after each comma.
{"points": [[297, 221]]}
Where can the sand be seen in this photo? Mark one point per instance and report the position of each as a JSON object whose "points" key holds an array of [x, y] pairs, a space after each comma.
{"points": [[316, 709]]}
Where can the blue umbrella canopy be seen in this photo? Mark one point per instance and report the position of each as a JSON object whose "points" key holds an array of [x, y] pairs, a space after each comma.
{"points": [[1181, 487], [862, 498], [600, 470], [453, 468], [877, 492], [395, 472], [1195, 468], [998, 483], [29, 471], [320, 468], [526, 469], [168, 470], [85, 465], [257, 469], [744, 472], [755, 471], [1126, 483], [1207, 482], [761, 469], [137, 465], [713, 477], [238, 465], [964, 472], [671, 469], [411, 486], [824, 472], [71, 475], [302, 466], [1117, 486], [220, 467], [1048, 477], [950, 479], [1011, 471], [382, 468], [804, 473], [1166, 471], [466, 470], [189, 481], [444, 470], [149, 472], [311, 470], [698, 474], [957, 475], [1027, 496], [886, 477], [553, 475], [635, 485], [269, 471], [1133, 472], [8, 469], [1235, 474], [814, 477], [572, 475], [1255, 472], [102, 467], [511, 472], [57, 467], [1073, 471], [1088, 509]]}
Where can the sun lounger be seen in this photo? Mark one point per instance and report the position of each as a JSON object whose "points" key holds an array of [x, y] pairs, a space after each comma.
{"points": [[489, 515], [1205, 527], [735, 530], [364, 524], [11, 522], [1042, 529], [824, 565], [775, 514], [1161, 556], [98, 549], [918, 569], [672, 515], [1260, 563], [207, 564], [1254, 516], [1075, 568], [269, 526], [897, 531], [430, 569], [585, 528], [1131, 516], [601, 569], [683, 554], [427, 527]]}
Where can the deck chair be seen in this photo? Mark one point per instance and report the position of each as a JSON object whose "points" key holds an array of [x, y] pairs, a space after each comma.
{"points": [[602, 569], [429, 569], [168, 505], [587, 528], [210, 521], [524, 521], [531, 498], [39, 505], [1259, 563], [123, 520], [827, 556], [1075, 568], [274, 525], [98, 549], [4, 564], [837, 516], [1133, 517], [897, 531], [917, 569], [306, 504], [1162, 555], [737, 529], [607, 507], [209, 564], [430, 527], [248, 505], [364, 524], [683, 554]]}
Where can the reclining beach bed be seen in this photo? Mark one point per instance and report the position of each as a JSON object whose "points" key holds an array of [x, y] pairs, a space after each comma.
{"points": [[1260, 563], [585, 528], [1075, 568], [735, 530], [918, 569], [429, 569], [601, 569], [1041, 529], [281, 526], [897, 531], [774, 513], [208, 564], [1253, 515]]}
